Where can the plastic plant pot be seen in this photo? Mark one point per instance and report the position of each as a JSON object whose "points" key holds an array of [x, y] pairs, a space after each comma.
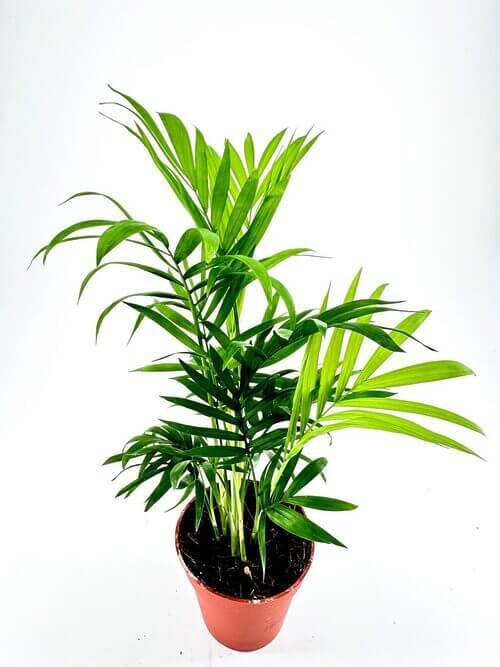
{"points": [[240, 624]]}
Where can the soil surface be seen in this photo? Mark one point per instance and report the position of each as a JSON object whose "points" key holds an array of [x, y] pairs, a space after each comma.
{"points": [[211, 562]]}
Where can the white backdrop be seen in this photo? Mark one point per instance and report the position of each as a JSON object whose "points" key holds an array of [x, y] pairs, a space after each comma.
{"points": [[403, 182]]}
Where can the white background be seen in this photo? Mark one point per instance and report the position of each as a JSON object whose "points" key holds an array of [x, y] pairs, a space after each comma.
{"points": [[403, 182]]}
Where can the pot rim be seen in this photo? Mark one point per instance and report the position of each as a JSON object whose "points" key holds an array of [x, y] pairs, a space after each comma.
{"points": [[291, 589]]}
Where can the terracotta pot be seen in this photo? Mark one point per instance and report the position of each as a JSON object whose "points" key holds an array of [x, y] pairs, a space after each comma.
{"points": [[243, 625]]}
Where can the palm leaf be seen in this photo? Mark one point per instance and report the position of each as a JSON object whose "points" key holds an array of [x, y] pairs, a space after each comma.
{"points": [[428, 371], [240, 211], [332, 355], [179, 137], [249, 151], [220, 189], [121, 231], [269, 151], [353, 347], [393, 424], [201, 168], [409, 324], [298, 524], [166, 324], [399, 405], [321, 503]]}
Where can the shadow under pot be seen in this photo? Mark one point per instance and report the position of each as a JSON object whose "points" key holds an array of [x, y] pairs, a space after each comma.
{"points": [[239, 609]]}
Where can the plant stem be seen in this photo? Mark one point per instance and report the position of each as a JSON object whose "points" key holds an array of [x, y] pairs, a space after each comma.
{"points": [[207, 372]]}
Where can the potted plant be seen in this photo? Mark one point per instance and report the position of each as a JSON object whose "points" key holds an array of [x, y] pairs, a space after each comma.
{"points": [[255, 392]]}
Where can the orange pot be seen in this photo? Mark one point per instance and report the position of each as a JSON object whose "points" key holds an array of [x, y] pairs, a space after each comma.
{"points": [[243, 625]]}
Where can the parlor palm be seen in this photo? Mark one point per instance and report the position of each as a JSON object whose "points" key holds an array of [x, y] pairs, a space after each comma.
{"points": [[259, 407]]}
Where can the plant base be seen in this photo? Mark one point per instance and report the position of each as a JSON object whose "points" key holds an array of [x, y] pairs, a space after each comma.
{"points": [[239, 623]]}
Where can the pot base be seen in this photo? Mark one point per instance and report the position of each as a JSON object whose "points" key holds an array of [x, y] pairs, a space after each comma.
{"points": [[241, 628]]}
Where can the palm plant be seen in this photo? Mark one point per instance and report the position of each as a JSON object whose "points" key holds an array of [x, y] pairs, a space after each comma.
{"points": [[259, 413]]}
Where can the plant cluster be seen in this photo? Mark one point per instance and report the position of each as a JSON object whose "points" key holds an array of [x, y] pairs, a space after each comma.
{"points": [[259, 409]]}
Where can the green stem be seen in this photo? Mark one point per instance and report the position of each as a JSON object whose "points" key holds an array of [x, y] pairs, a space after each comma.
{"points": [[202, 341]]}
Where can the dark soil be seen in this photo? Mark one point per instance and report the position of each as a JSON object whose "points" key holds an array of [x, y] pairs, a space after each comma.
{"points": [[211, 562]]}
